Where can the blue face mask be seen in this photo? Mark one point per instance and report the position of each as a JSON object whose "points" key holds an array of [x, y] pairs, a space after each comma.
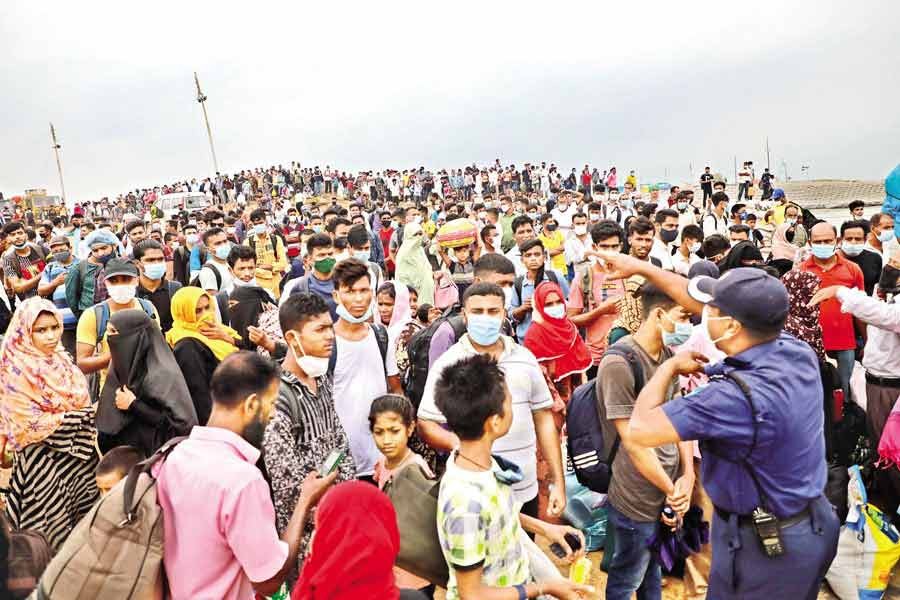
{"points": [[155, 271], [682, 333], [223, 251], [886, 236], [822, 252], [483, 330], [258, 230]]}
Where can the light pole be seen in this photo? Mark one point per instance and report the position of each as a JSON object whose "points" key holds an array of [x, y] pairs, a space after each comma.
{"points": [[56, 148], [202, 100]]}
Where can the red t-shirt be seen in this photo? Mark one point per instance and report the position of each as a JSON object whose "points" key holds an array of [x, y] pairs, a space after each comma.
{"points": [[837, 326]]}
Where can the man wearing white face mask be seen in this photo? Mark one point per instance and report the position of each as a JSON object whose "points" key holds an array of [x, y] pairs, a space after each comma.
{"points": [[304, 427], [90, 336], [362, 363], [577, 243]]}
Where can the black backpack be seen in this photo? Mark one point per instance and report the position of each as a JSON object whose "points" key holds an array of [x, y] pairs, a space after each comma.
{"points": [[195, 282], [418, 348], [585, 443], [381, 336]]}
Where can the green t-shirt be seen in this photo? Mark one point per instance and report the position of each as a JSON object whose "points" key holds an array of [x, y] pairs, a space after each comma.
{"points": [[478, 522]]}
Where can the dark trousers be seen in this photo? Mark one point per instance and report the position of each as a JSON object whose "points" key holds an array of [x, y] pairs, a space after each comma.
{"points": [[707, 193], [740, 569]]}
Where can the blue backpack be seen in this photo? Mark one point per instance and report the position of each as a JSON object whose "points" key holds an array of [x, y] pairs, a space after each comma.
{"points": [[585, 441]]}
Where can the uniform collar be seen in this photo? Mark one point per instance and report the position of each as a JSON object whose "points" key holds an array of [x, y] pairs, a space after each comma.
{"points": [[745, 360]]}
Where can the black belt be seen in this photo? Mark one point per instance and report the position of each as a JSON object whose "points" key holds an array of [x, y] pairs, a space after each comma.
{"points": [[891, 382], [747, 520]]}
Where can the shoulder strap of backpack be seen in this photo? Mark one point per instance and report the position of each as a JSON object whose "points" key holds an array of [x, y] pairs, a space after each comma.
{"points": [[552, 276], [147, 307], [381, 336], [101, 317], [517, 284], [637, 372], [287, 402], [173, 287], [145, 466]]}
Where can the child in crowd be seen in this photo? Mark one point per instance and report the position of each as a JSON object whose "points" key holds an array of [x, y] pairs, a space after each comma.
{"points": [[479, 523], [392, 420], [115, 465]]}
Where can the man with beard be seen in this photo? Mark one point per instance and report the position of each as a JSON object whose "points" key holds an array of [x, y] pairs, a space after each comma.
{"points": [[220, 537]]}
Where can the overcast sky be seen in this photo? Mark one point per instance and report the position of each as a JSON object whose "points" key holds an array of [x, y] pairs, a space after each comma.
{"points": [[651, 85]]}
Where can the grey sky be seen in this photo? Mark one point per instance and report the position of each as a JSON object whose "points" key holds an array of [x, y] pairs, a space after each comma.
{"points": [[649, 85]]}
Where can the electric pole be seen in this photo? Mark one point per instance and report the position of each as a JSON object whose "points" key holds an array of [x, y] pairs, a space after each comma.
{"points": [[56, 147], [768, 159], [202, 100]]}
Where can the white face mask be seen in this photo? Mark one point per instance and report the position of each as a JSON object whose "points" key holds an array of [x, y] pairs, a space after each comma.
{"points": [[241, 283], [314, 366], [580, 229], [594, 217], [695, 247], [507, 295], [122, 294], [704, 325]]}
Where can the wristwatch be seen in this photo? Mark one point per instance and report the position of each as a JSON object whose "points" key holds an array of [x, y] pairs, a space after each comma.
{"points": [[523, 595]]}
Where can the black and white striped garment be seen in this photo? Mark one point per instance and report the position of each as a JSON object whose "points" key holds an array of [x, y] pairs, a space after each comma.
{"points": [[52, 484], [302, 432]]}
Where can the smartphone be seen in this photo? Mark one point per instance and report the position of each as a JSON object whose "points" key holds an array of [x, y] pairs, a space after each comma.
{"points": [[571, 539], [331, 462]]}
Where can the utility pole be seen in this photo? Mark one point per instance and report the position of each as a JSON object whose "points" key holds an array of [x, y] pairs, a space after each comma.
{"points": [[56, 148], [202, 100], [768, 158], [735, 170]]}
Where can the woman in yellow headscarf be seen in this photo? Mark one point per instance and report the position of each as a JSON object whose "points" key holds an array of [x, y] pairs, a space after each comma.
{"points": [[199, 342]]}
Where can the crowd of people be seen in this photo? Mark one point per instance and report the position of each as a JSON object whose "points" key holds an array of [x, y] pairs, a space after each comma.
{"points": [[312, 334]]}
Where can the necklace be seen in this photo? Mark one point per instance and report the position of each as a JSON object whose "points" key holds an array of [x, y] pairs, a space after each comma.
{"points": [[477, 464]]}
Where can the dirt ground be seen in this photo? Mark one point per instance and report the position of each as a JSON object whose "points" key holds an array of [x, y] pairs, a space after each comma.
{"points": [[673, 589]]}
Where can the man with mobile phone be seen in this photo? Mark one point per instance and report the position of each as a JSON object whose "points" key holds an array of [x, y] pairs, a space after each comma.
{"points": [[305, 428]]}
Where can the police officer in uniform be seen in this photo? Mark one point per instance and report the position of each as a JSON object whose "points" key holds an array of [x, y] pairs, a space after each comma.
{"points": [[760, 426]]}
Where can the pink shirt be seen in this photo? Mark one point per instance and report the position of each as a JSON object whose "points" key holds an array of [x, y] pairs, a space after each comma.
{"points": [[219, 519]]}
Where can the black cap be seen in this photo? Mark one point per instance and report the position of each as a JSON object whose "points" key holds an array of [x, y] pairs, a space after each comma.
{"points": [[120, 266], [752, 296]]}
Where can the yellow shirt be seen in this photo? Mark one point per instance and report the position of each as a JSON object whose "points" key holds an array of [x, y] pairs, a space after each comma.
{"points": [[86, 332], [554, 241], [778, 214]]}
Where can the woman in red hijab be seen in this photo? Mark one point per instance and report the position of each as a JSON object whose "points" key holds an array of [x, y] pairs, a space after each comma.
{"points": [[553, 338], [354, 547]]}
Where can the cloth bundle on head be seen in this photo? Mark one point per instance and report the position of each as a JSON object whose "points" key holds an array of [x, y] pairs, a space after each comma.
{"points": [[412, 266], [557, 340], [187, 325], [891, 204], [803, 320], [141, 361], [36, 389], [355, 544]]}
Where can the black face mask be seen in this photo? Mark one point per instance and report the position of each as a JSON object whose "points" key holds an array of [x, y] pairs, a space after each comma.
{"points": [[385, 224], [889, 280], [550, 226]]}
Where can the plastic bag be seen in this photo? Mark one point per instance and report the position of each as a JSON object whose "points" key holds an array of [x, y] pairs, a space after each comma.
{"points": [[586, 510], [868, 547]]}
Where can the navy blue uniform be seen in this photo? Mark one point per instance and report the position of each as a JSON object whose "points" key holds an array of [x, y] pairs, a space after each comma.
{"points": [[788, 460]]}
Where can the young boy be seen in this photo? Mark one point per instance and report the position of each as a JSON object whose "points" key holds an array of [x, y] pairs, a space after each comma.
{"points": [[479, 524], [115, 465]]}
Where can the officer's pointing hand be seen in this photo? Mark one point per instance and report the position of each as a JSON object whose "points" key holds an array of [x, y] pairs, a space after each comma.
{"points": [[825, 293], [618, 265], [686, 363]]}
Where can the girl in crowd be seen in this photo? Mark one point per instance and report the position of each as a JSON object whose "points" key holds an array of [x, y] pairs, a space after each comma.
{"points": [[392, 420], [145, 401], [554, 339], [47, 419], [199, 343], [354, 549]]}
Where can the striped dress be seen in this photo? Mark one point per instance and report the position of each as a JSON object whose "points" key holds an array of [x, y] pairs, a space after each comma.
{"points": [[52, 484]]}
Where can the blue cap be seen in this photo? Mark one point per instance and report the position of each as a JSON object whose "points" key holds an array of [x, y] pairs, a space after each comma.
{"points": [[750, 295], [777, 194]]}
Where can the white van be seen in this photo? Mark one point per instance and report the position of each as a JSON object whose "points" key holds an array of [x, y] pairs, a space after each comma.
{"points": [[172, 204]]}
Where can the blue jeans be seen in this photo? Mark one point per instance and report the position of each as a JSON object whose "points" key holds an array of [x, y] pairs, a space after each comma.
{"points": [[632, 568], [845, 359]]}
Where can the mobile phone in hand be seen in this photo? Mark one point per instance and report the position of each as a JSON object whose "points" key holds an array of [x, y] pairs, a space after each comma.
{"points": [[331, 462], [571, 539]]}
